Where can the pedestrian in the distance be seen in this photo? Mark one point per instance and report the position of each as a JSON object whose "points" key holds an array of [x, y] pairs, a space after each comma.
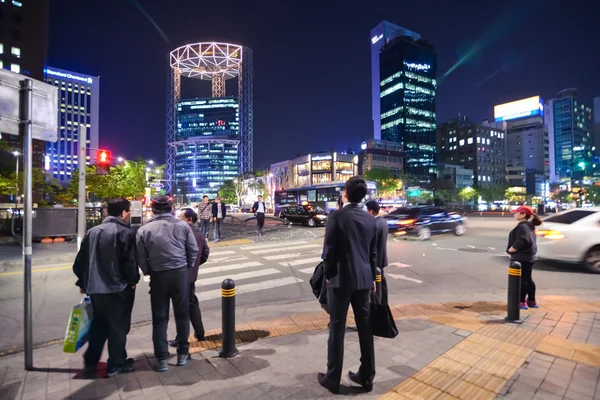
{"points": [[167, 250], [188, 215], [218, 214], [522, 247], [107, 271], [382, 236], [205, 214], [259, 210], [350, 268]]}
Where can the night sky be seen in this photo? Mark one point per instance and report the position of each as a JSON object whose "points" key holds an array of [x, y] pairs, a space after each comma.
{"points": [[312, 88]]}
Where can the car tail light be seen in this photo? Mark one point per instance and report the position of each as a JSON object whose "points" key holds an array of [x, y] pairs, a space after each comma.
{"points": [[407, 222], [550, 234], [400, 233]]}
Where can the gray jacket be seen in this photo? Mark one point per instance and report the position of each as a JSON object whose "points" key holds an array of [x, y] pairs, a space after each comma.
{"points": [[164, 244]]}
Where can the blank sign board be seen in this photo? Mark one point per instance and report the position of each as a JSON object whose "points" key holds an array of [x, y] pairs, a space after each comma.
{"points": [[44, 109]]}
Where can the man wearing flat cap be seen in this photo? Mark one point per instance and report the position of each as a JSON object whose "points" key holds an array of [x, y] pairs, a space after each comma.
{"points": [[166, 249]]}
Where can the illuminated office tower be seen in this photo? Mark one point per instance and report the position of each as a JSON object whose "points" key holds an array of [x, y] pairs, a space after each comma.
{"points": [[407, 97], [78, 100]]}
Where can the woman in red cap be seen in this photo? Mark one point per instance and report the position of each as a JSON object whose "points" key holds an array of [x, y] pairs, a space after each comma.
{"points": [[522, 247]]}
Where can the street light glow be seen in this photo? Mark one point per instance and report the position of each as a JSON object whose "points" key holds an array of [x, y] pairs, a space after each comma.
{"points": [[120, 159], [16, 153], [150, 162]]}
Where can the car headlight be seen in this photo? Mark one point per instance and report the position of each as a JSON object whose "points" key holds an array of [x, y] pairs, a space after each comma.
{"points": [[322, 216]]}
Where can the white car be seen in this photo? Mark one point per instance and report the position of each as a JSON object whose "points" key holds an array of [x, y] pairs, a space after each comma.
{"points": [[572, 236]]}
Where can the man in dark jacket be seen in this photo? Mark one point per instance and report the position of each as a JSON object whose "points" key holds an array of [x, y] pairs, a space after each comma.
{"points": [[188, 215], [350, 263], [259, 210], [166, 250], [218, 214], [107, 271], [382, 236]]}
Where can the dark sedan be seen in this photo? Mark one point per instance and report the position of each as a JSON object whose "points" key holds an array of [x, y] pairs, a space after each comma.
{"points": [[424, 222], [304, 214]]}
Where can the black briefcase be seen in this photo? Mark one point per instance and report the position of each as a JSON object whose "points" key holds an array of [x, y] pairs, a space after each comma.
{"points": [[382, 320]]}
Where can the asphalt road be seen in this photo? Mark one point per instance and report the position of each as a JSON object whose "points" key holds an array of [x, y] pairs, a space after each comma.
{"points": [[272, 280]]}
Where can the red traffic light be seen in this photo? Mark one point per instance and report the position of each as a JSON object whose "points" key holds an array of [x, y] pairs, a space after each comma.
{"points": [[103, 160], [103, 156]]}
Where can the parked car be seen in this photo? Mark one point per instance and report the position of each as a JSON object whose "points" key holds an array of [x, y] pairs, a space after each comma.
{"points": [[424, 222], [572, 236], [305, 214]]}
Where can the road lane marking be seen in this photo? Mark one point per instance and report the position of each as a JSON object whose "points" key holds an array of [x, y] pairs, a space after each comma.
{"points": [[268, 246], [403, 277], [304, 246], [224, 268], [399, 265], [221, 253], [284, 256], [309, 271], [249, 288], [225, 259], [34, 270], [301, 262], [238, 277], [471, 246]]}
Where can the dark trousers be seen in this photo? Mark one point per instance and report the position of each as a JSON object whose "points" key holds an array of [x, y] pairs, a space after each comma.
{"points": [[384, 288], [205, 227], [339, 301], [111, 321], [195, 313], [260, 221], [165, 287], [527, 284], [217, 228]]}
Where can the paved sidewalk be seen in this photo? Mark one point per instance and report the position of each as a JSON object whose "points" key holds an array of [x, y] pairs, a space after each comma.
{"points": [[444, 351]]}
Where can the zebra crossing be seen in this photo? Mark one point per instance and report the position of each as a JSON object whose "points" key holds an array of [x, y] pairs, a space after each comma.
{"points": [[258, 267]]}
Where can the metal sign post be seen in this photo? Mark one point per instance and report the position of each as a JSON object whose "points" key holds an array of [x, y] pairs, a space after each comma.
{"points": [[25, 103], [81, 217], [28, 108]]}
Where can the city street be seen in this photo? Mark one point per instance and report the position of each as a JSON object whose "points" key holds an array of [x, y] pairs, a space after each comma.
{"points": [[272, 279]]}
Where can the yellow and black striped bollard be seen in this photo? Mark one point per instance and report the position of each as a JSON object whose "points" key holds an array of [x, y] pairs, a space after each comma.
{"points": [[228, 319], [513, 305], [378, 286]]}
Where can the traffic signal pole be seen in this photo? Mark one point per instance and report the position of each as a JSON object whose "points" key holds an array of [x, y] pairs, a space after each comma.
{"points": [[81, 217]]}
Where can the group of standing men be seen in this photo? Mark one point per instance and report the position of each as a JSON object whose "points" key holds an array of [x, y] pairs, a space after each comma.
{"points": [[214, 213], [167, 249]]}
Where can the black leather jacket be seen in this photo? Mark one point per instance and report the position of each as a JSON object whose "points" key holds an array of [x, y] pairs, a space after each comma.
{"points": [[106, 261]]}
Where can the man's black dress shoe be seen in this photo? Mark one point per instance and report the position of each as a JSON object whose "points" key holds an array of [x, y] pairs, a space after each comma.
{"points": [[323, 382], [368, 386]]}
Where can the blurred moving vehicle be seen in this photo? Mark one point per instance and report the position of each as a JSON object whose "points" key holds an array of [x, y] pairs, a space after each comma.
{"points": [[424, 222], [572, 236], [304, 214]]}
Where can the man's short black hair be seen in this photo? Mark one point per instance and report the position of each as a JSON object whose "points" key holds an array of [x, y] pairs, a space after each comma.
{"points": [[373, 205], [188, 213], [117, 205], [161, 204], [205, 197], [260, 195], [356, 189]]}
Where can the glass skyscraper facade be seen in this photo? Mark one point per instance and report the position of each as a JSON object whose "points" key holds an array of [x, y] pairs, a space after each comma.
{"points": [[407, 97], [573, 141], [78, 100], [207, 146]]}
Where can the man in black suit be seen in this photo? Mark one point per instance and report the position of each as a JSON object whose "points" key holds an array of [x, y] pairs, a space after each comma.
{"points": [[350, 262], [259, 210], [382, 236]]}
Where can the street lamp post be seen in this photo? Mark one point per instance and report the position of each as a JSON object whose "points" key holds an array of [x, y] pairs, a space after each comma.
{"points": [[17, 154]]}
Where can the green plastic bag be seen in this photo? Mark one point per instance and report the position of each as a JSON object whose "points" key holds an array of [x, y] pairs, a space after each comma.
{"points": [[79, 325]]}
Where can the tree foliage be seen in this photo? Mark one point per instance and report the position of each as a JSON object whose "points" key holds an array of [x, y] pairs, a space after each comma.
{"points": [[386, 182], [493, 193], [467, 194], [228, 193], [563, 196]]}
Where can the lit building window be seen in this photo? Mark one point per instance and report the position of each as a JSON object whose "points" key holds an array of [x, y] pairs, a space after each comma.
{"points": [[461, 142], [15, 68], [17, 3], [470, 141], [1, 48], [1, 64], [16, 51]]}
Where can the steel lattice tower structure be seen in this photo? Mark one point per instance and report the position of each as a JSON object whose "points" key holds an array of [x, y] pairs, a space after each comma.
{"points": [[216, 62]]}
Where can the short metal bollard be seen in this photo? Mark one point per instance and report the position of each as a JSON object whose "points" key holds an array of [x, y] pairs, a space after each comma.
{"points": [[228, 319], [513, 306], [378, 286]]}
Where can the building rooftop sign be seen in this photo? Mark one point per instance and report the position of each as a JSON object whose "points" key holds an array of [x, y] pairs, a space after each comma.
{"points": [[519, 109], [68, 75]]}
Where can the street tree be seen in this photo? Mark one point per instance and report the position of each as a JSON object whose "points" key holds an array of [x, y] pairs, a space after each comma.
{"points": [[386, 182], [228, 193], [493, 193], [563, 196], [593, 194], [467, 194]]}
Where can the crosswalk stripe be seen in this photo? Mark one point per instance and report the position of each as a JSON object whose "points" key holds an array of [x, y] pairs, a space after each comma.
{"points": [[231, 267], [268, 246], [238, 277], [307, 270], [225, 259], [221, 253], [304, 246], [293, 255], [251, 287], [301, 262]]}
